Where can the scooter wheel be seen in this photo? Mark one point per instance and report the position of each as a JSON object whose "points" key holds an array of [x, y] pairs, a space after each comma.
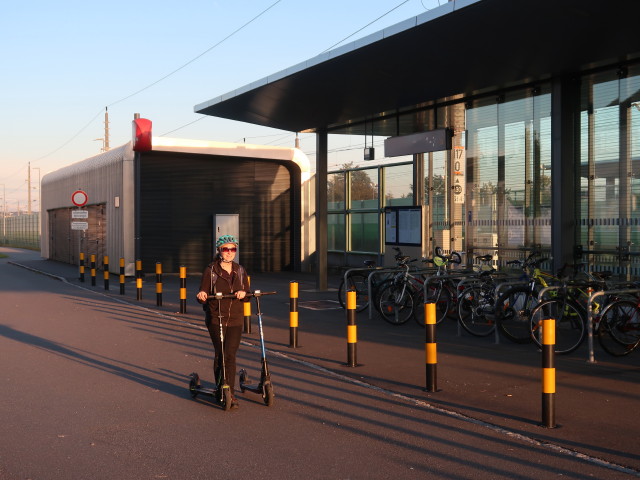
{"points": [[268, 394], [194, 383], [244, 378], [226, 399]]}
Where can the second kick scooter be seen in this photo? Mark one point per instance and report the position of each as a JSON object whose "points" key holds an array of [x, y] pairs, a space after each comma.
{"points": [[264, 386]]}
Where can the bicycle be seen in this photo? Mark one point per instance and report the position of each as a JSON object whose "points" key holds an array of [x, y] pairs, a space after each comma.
{"points": [[619, 327], [396, 297], [513, 308], [441, 291], [358, 281], [476, 303], [569, 311]]}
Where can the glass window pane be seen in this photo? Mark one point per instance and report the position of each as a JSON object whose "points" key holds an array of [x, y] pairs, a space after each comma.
{"points": [[335, 191], [365, 232], [398, 185], [336, 232], [364, 189]]}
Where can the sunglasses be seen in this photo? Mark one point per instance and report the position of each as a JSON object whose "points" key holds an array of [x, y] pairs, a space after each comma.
{"points": [[227, 249]]}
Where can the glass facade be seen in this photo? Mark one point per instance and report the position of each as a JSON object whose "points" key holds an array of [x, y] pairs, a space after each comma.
{"points": [[609, 170], [509, 172], [492, 193]]}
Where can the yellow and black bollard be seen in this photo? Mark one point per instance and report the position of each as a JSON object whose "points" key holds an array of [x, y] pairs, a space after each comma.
{"points": [[247, 313], [293, 314], [352, 330], [183, 289], [430, 346], [105, 271], [247, 317], [82, 267], [93, 270], [138, 279], [548, 373], [121, 276], [158, 284]]}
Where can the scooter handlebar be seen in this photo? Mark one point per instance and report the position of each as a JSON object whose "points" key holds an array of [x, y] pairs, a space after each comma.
{"points": [[255, 293]]}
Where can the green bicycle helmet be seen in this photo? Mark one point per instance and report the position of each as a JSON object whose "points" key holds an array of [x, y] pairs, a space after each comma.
{"points": [[226, 239]]}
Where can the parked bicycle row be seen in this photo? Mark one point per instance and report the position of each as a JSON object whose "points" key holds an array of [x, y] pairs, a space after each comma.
{"points": [[483, 299]]}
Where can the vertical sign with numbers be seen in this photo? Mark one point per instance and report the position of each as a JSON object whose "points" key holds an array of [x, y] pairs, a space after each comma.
{"points": [[459, 165]]}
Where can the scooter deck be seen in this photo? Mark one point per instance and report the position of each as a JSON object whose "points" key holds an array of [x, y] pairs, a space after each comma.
{"points": [[212, 392]]}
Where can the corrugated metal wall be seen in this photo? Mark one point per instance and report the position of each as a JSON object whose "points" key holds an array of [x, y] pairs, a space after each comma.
{"points": [[103, 178], [181, 193]]}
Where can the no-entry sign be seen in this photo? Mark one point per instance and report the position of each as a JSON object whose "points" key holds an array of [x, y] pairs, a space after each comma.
{"points": [[79, 198]]}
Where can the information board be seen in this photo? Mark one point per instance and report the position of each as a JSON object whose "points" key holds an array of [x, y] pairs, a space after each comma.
{"points": [[403, 225]]}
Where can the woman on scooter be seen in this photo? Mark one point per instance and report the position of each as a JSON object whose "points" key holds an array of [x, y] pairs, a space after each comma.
{"points": [[225, 276]]}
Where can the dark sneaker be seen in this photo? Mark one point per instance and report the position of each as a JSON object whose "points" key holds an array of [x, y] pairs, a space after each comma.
{"points": [[234, 402]]}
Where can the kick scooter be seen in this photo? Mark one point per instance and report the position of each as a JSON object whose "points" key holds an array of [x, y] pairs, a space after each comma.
{"points": [[222, 392], [264, 387]]}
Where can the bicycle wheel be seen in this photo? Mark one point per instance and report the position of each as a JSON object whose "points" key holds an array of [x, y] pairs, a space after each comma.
{"points": [[357, 282], [476, 311], [378, 287], [619, 327], [396, 303], [436, 293], [513, 310], [570, 324]]}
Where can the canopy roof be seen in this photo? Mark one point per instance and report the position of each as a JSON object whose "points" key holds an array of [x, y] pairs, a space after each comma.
{"points": [[463, 48]]}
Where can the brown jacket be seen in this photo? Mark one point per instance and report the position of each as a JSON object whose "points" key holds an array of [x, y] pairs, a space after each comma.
{"points": [[215, 279]]}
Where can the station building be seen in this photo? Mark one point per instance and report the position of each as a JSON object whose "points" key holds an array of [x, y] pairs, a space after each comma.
{"points": [[503, 126], [164, 200]]}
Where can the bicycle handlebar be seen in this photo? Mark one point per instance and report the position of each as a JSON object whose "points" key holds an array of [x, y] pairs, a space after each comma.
{"points": [[453, 257]]}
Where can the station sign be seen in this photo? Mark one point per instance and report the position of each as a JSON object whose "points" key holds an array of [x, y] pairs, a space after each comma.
{"points": [[459, 168], [422, 142]]}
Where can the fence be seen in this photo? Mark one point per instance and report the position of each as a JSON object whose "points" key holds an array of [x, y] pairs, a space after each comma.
{"points": [[21, 231]]}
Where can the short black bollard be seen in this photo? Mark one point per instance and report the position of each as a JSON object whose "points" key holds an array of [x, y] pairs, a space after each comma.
{"points": [[247, 317], [183, 289], [158, 284], [121, 276], [105, 271], [352, 330], [293, 314], [548, 373], [431, 347], [93, 270], [138, 279], [82, 267]]}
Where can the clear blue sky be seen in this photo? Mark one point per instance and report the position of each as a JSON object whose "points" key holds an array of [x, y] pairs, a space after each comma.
{"points": [[64, 62]]}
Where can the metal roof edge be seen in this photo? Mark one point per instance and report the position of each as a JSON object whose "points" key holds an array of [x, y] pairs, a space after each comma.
{"points": [[395, 29], [210, 147], [115, 155]]}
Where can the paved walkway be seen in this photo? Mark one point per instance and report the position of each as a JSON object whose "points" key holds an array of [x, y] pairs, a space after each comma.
{"points": [[496, 385]]}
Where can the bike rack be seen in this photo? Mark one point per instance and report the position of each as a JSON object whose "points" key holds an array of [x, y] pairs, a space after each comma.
{"points": [[380, 270], [592, 297]]}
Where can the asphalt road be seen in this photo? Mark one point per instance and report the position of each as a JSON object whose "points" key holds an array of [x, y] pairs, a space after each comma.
{"points": [[95, 387]]}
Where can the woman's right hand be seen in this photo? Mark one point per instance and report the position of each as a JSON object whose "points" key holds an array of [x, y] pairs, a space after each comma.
{"points": [[202, 296]]}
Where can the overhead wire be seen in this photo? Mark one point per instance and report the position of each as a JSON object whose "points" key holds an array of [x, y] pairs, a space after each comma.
{"points": [[198, 56], [335, 44], [164, 78], [367, 25]]}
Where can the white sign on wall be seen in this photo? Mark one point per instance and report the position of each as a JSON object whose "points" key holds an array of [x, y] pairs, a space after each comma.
{"points": [[459, 166], [79, 225]]}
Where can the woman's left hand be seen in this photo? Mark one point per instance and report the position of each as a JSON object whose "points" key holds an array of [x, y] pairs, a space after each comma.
{"points": [[240, 294]]}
